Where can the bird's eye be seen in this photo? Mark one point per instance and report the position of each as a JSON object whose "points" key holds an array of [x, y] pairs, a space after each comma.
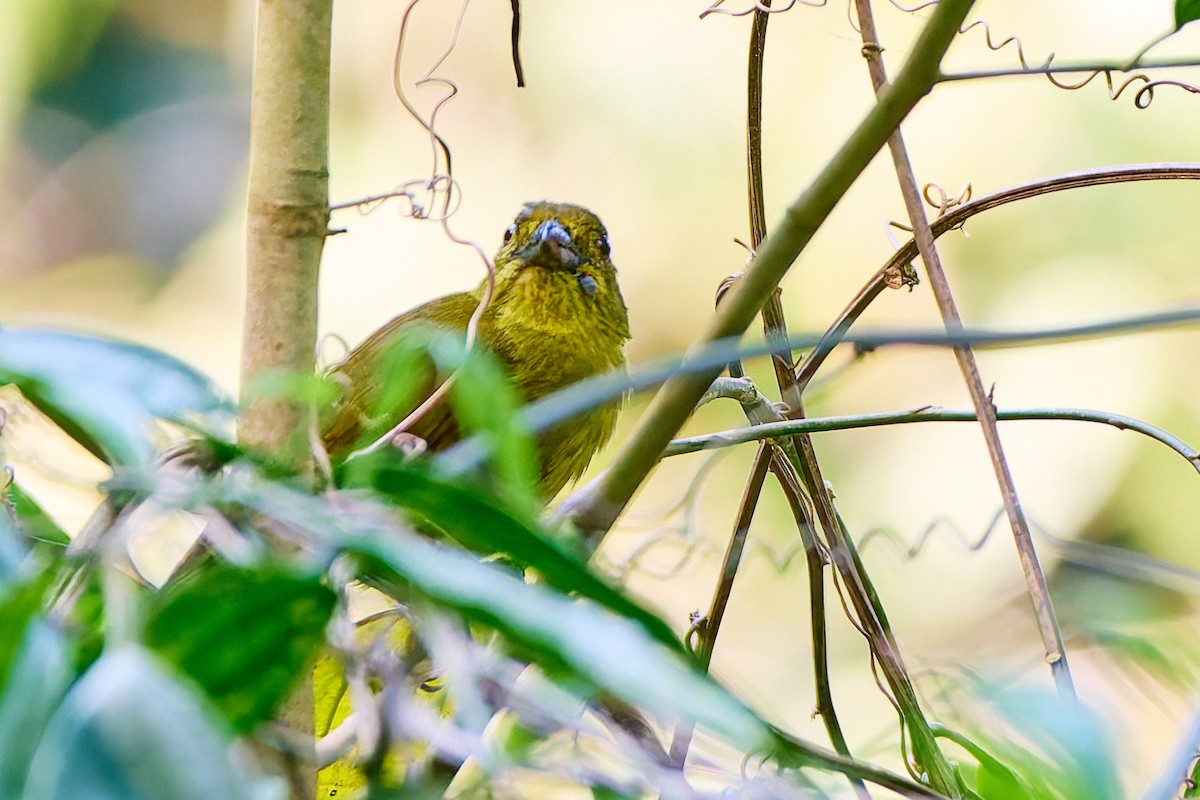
{"points": [[588, 284], [603, 245], [508, 234]]}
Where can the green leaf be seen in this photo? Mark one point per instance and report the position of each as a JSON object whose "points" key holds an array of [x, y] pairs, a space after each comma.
{"points": [[319, 391], [1040, 745], [993, 779], [87, 620], [243, 634], [486, 403], [1186, 11], [48, 26], [1192, 788], [35, 523], [20, 604], [482, 396], [40, 674], [607, 651], [403, 371], [481, 524], [127, 730], [607, 793], [11, 551], [103, 393]]}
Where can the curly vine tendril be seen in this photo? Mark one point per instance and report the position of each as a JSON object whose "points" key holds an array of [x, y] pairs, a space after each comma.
{"points": [[758, 5], [1142, 97]]}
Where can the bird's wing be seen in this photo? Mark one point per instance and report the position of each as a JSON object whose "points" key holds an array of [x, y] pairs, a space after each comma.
{"points": [[360, 417]]}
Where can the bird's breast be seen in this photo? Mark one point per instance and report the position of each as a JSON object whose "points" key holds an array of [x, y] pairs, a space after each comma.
{"points": [[550, 334]]}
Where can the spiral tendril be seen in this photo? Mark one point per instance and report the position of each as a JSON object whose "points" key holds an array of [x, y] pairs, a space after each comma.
{"points": [[1141, 98], [758, 5]]}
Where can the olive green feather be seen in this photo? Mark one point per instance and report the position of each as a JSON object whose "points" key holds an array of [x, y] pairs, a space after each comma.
{"points": [[556, 317]]}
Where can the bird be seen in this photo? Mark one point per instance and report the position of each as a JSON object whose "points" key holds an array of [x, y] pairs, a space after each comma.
{"points": [[556, 316]]}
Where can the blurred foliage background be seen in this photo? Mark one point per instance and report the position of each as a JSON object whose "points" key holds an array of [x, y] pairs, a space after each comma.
{"points": [[123, 133]]}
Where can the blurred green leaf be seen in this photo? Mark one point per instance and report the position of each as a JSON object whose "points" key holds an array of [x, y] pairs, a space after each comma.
{"points": [[320, 391], [11, 551], [129, 731], [1136, 622], [20, 604], [993, 780], [87, 620], [405, 368], [39, 676], [482, 397], [103, 393], [1192, 788], [607, 651], [1054, 748], [35, 523], [1142, 651], [481, 524], [605, 793], [58, 35], [1186, 11], [486, 403], [403, 373], [243, 634]]}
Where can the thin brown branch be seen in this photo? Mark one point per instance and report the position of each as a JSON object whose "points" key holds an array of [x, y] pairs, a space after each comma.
{"points": [[759, 412], [708, 626], [897, 272], [595, 509], [516, 43], [1126, 173], [730, 438], [774, 322], [759, 7], [790, 390], [872, 620], [1035, 579], [816, 558], [893, 277]]}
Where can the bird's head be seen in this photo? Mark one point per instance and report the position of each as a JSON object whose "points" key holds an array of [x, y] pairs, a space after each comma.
{"points": [[560, 253]]}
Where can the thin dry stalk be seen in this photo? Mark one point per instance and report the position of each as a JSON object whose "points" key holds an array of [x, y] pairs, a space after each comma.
{"points": [[790, 390], [597, 507], [1035, 579], [710, 624]]}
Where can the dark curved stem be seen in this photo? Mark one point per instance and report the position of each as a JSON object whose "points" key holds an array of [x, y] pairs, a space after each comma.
{"points": [[754, 97], [838, 330], [596, 511], [957, 217], [774, 322], [816, 559], [811, 425], [790, 390], [1035, 579], [516, 42], [707, 629], [1102, 176]]}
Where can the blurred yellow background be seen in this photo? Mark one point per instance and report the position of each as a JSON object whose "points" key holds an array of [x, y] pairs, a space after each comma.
{"points": [[123, 128]]}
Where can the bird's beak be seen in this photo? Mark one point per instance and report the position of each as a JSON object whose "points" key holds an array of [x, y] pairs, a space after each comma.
{"points": [[550, 247]]}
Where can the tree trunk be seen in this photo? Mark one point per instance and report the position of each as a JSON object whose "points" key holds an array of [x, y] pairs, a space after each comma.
{"points": [[287, 216]]}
